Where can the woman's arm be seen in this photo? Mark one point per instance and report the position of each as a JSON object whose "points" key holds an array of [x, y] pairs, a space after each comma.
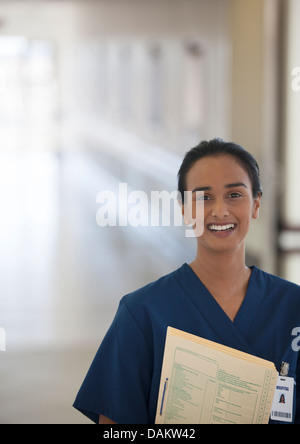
{"points": [[105, 420]]}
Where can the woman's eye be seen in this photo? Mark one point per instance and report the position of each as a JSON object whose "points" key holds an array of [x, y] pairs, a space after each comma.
{"points": [[234, 195], [203, 197]]}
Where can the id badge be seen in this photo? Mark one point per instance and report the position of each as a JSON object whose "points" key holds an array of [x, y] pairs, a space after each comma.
{"points": [[282, 407]]}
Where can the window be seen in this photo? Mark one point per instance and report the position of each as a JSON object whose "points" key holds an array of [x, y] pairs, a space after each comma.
{"points": [[155, 86], [27, 92], [193, 92]]}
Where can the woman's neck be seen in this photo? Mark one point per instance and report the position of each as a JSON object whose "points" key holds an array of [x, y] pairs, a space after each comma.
{"points": [[226, 277], [225, 268]]}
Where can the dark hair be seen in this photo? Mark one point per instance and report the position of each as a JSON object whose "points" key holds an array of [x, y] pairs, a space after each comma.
{"points": [[218, 147]]}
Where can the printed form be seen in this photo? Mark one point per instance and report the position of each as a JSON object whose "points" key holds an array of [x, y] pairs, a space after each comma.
{"points": [[203, 382]]}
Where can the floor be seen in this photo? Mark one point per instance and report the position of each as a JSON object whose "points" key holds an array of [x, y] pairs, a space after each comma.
{"points": [[61, 278]]}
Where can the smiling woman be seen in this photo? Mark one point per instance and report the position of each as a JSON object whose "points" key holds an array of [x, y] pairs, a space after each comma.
{"points": [[232, 199], [217, 297]]}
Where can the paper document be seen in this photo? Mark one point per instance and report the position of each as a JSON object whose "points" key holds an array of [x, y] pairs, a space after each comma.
{"points": [[203, 382]]}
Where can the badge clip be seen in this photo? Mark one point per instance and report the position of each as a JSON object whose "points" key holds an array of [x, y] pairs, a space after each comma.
{"points": [[284, 370]]}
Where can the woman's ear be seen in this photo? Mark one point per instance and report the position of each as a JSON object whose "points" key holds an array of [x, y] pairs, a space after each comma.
{"points": [[256, 206]]}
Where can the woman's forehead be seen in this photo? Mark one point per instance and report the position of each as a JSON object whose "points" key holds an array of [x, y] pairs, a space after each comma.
{"points": [[216, 169]]}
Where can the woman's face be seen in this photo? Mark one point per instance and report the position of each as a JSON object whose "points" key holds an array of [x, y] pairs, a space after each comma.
{"points": [[229, 204]]}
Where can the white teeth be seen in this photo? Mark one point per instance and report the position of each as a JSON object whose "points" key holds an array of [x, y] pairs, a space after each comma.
{"points": [[221, 227]]}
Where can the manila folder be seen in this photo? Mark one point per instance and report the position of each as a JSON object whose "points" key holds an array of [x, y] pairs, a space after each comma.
{"points": [[203, 382]]}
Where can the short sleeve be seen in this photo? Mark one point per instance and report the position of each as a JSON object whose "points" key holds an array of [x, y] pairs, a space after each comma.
{"points": [[118, 382]]}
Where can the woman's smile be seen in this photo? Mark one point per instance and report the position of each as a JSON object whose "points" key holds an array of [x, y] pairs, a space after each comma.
{"points": [[222, 230]]}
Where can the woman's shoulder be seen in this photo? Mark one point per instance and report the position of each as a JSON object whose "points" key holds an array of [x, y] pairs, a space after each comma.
{"points": [[154, 302], [162, 286], [163, 294], [277, 283]]}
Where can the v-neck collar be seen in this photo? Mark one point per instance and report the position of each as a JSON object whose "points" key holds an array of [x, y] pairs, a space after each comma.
{"points": [[230, 333]]}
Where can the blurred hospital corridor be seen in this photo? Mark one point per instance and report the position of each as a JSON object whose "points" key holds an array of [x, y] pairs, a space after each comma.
{"points": [[61, 280], [98, 93]]}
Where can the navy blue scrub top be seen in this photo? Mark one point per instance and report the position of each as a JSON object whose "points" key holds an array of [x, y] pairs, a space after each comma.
{"points": [[123, 380]]}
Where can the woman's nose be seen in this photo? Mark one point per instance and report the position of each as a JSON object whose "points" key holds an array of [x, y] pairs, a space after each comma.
{"points": [[220, 209]]}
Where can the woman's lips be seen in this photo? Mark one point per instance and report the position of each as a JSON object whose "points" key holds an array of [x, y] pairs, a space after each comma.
{"points": [[222, 230]]}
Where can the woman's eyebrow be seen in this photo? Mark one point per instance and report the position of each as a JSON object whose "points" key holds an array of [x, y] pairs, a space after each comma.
{"points": [[201, 189], [229, 185], [235, 185]]}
